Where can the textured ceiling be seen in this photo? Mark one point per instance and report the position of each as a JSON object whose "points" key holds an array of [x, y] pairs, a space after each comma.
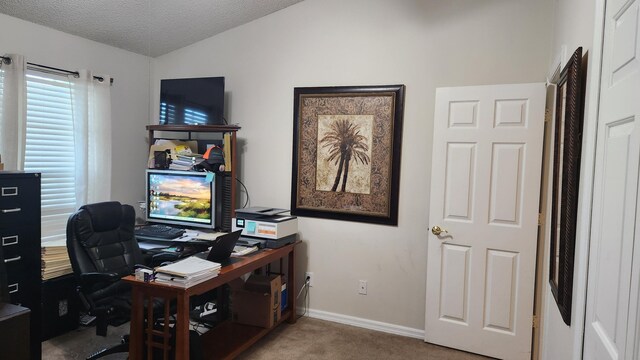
{"points": [[147, 27]]}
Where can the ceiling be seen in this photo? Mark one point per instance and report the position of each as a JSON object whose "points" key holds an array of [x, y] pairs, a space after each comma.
{"points": [[147, 27]]}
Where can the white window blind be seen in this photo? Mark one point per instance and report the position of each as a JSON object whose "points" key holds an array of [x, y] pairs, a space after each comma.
{"points": [[50, 149]]}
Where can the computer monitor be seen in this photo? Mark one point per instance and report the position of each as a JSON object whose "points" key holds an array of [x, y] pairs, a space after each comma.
{"points": [[184, 198]]}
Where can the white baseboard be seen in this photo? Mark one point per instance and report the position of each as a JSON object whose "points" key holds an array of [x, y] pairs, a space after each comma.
{"points": [[364, 323]]}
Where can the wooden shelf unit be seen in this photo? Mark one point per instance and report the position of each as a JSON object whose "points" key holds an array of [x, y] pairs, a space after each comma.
{"points": [[191, 129]]}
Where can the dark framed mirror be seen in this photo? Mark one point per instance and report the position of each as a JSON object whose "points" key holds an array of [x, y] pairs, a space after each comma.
{"points": [[566, 176]]}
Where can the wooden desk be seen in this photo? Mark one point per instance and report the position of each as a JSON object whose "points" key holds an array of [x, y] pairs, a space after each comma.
{"points": [[228, 339]]}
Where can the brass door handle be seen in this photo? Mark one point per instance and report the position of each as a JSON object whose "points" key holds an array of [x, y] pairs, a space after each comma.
{"points": [[437, 230]]}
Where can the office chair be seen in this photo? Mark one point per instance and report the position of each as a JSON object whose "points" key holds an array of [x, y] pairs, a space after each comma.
{"points": [[102, 248]]}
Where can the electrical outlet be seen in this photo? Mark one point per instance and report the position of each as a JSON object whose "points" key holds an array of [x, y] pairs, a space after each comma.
{"points": [[362, 287], [309, 275]]}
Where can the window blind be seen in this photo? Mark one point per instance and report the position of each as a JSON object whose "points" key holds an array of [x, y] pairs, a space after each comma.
{"points": [[50, 149]]}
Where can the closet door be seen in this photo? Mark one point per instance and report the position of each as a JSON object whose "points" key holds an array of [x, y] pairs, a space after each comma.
{"points": [[612, 295]]}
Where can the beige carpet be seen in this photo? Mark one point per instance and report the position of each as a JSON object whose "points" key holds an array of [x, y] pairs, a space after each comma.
{"points": [[307, 339]]}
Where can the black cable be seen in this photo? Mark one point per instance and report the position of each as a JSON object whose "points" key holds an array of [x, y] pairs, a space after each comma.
{"points": [[246, 191]]}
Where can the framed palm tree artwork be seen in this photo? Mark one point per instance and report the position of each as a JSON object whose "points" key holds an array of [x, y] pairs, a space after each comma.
{"points": [[346, 152]]}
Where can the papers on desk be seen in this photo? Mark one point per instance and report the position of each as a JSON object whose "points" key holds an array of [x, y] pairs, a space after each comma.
{"points": [[208, 236], [187, 272], [240, 250], [152, 245], [186, 237]]}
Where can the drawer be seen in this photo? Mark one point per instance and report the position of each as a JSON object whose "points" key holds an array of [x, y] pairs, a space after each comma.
{"points": [[20, 240], [21, 268], [20, 295], [17, 293], [19, 199], [22, 286]]}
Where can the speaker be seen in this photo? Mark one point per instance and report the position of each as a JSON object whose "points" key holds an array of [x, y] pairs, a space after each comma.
{"points": [[161, 159], [223, 201]]}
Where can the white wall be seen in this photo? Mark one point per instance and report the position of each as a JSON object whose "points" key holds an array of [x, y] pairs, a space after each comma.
{"points": [[574, 26], [422, 44], [129, 94]]}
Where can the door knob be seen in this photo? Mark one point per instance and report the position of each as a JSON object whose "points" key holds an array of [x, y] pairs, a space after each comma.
{"points": [[437, 230]]}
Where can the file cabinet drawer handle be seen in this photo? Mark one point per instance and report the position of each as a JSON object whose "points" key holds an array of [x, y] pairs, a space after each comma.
{"points": [[17, 258], [13, 288], [6, 211], [9, 240], [10, 191]]}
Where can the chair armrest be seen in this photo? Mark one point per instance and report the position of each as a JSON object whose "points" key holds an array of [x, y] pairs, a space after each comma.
{"points": [[160, 258], [95, 277], [141, 266]]}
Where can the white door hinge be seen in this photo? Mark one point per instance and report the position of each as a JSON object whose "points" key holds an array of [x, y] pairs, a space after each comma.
{"points": [[540, 219], [534, 321]]}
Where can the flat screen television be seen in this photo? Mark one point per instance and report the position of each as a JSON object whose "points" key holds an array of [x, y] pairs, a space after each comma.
{"points": [[184, 198], [192, 101]]}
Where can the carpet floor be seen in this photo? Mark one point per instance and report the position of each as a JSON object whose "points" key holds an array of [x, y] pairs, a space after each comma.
{"points": [[307, 339]]}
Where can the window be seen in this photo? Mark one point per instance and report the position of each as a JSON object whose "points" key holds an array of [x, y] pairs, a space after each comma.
{"points": [[50, 149]]}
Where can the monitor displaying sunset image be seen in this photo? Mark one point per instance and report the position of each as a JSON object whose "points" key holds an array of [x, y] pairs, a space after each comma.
{"points": [[179, 197]]}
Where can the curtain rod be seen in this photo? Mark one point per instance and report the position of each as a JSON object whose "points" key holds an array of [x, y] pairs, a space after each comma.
{"points": [[7, 60]]}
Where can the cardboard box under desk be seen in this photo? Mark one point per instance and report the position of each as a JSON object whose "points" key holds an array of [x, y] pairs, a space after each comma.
{"points": [[258, 302]]}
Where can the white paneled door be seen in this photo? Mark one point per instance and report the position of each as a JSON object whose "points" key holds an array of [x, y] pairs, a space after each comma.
{"points": [[612, 319], [485, 184]]}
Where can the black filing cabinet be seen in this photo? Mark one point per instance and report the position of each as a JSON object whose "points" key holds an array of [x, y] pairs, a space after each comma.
{"points": [[20, 237]]}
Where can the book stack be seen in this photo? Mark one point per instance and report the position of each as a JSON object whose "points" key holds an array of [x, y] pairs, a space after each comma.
{"points": [[188, 272], [54, 259], [185, 161], [227, 151]]}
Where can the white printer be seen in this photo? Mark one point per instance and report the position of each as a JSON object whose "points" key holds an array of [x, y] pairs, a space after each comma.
{"points": [[266, 226]]}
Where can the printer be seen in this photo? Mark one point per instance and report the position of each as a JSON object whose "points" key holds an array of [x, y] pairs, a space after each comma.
{"points": [[265, 227]]}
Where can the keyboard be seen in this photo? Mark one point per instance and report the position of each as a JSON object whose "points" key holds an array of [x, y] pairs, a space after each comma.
{"points": [[159, 231]]}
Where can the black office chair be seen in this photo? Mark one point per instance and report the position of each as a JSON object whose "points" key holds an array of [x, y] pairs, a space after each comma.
{"points": [[102, 248]]}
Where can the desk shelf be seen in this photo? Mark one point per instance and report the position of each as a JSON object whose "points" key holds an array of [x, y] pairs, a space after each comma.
{"points": [[191, 129], [230, 339]]}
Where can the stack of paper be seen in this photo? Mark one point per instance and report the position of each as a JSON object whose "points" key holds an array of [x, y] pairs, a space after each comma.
{"points": [[175, 147], [187, 159], [208, 236], [188, 272], [54, 259]]}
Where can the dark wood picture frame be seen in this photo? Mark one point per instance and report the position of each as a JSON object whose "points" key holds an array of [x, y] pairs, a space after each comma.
{"points": [[346, 152], [566, 176]]}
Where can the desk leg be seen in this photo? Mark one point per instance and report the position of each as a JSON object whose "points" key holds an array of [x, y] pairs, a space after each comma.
{"points": [[291, 293], [182, 328], [135, 328]]}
